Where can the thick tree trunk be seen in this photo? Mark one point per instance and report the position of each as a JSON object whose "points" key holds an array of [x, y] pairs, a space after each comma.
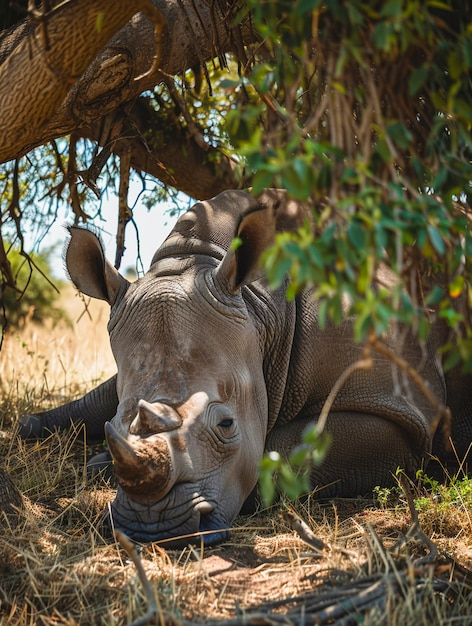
{"points": [[38, 73], [161, 147], [74, 75]]}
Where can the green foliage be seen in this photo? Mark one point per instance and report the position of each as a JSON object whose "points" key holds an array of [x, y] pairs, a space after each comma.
{"points": [[385, 160], [37, 298], [441, 496], [292, 475], [385, 495], [363, 109]]}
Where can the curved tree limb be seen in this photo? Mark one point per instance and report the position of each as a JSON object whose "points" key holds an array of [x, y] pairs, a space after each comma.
{"points": [[87, 73], [163, 148], [51, 58]]}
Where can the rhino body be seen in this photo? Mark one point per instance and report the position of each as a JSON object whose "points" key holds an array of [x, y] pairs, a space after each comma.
{"points": [[214, 368]]}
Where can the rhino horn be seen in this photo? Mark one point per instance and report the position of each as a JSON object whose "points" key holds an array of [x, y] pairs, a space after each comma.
{"points": [[144, 470], [154, 418], [121, 450]]}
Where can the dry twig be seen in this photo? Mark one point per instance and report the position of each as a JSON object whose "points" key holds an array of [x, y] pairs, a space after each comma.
{"points": [[442, 411], [131, 551]]}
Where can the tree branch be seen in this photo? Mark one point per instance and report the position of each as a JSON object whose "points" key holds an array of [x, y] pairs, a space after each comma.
{"points": [[42, 68], [109, 66], [160, 146]]}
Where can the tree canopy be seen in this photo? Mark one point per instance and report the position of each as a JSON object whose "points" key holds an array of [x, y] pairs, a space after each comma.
{"points": [[363, 109]]}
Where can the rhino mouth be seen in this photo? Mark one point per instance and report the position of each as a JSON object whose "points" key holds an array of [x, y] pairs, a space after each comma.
{"points": [[183, 517], [211, 531]]}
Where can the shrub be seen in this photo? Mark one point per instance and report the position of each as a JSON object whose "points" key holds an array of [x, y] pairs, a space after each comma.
{"points": [[37, 298]]}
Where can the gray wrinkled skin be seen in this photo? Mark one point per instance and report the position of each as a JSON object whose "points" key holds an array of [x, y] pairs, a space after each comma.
{"points": [[214, 368]]}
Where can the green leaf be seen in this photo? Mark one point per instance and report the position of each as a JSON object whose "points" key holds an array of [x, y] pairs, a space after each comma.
{"points": [[399, 134], [383, 32], [417, 79], [357, 235], [267, 488], [316, 256], [328, 234], [323, 313], [297, 178], [350, 175], [356, 52], [341, 61], [307, 5], [292, 289], [236, 243], [384, 151], [456, 286], [268, 466], [279, 271], [392, 8], [355, 16], [454, 63], [299, 455], [339, 87], [424, 326], [444, 6], [270, 461], [290, 483], [452, 359], [436, 239], [419, 168], [262, 179], [463, 109], [227, 83], [336, 308]]}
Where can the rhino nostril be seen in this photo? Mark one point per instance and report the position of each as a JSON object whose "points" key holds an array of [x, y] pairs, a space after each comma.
{"points": [[204, 508], [211, 529]]}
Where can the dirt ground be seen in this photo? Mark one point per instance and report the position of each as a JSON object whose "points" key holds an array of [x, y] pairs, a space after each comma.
{"points": [[58, 564]]}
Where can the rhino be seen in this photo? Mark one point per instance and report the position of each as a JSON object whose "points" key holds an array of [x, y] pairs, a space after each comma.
{"points": [[214, 368]]}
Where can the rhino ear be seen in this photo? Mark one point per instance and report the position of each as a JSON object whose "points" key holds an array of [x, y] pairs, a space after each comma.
{"points": [[240, 265], [88, 268], [256, 232]]}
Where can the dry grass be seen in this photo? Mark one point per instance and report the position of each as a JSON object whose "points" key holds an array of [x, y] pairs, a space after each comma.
{"points": [[50, 365], [58, 566]]}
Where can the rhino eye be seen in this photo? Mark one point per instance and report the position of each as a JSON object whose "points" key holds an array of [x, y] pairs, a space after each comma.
{"points": [[226, 423]]}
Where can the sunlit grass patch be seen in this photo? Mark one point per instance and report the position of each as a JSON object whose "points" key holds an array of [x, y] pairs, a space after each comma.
{"points": [[43, 366]]}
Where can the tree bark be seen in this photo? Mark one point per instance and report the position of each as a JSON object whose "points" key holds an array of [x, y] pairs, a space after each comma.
{"points": [[72, 75], [164, 149], [53, 54]]}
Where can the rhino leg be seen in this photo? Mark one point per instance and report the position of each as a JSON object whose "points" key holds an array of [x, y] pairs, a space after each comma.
{"points": [[459, 400], [100, 466], [365, 452], [93, 410]]}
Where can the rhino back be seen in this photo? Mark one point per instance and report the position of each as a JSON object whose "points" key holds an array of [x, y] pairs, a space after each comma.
{"points": [[320, 355]]}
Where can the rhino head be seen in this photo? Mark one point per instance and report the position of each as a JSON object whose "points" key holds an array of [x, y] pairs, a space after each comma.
{"points": [[192, 416]]}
